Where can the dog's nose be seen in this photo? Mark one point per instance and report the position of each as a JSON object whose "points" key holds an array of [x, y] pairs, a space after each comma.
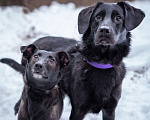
{"points": [[105, 30], [38, 66]]}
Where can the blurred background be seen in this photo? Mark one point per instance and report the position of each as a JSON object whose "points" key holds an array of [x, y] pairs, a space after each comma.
{"points": [[32, 4], [24, 21]]}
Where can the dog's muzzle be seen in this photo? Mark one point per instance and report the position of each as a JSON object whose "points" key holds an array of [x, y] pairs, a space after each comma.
{"points": [[104, 35], [38, 72]]}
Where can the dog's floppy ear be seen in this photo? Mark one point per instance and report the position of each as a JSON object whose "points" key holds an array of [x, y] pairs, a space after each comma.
{"points": [[85, 16], [28, 51], [133, 16], [63, 58]]}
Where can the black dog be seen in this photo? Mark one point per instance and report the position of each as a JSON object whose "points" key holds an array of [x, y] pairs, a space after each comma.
{"points": [[98, 71], [41, 98], [46, 43]]}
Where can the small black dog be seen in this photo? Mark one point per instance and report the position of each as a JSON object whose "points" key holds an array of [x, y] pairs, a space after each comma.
{"points": [[41, 98], [48, 43]]}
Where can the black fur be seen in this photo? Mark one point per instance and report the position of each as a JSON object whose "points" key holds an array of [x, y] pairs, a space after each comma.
{"points": [[40, 105]]}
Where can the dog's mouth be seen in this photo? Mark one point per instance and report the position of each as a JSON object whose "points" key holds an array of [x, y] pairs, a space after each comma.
{"points": [[103, 40], [40, 80], [39, 75]]}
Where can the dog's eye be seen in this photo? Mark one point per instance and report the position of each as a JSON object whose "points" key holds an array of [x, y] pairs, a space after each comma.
{"points": [[35, 56], [118, 18], [52, 60], [98, 18]]}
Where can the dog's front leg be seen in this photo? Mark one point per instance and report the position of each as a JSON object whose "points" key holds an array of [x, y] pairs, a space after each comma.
{"points": [[77, 114], [108, 114], [16, 108], [79, 111], [22, 113]]}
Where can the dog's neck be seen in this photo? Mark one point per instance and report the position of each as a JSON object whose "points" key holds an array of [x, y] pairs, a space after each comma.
{"points": [[38, 95], [99, 65], [105, 54], [41, 102]]}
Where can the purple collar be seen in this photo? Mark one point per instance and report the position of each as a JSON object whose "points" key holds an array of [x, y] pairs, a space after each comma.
{"points": [[100, 65]]}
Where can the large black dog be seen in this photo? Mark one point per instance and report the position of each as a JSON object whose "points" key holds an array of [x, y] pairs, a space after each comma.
{"points": [[93, 79], [96, 83], [41, 98], [98, 71]]}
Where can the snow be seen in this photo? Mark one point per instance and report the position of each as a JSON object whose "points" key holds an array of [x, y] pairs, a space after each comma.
{"points": [[17, 28]]}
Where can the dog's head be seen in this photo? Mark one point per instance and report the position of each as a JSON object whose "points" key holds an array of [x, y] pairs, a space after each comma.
{"points": [[43, 67], [109, 23]]}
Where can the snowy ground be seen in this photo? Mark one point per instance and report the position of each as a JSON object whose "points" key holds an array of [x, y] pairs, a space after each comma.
{"points": [[17, 28]]}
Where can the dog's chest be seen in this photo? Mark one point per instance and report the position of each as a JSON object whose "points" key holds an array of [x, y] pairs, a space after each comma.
{"points": [[39, 105], [98, 83], [102, 82], [37, 110]]}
